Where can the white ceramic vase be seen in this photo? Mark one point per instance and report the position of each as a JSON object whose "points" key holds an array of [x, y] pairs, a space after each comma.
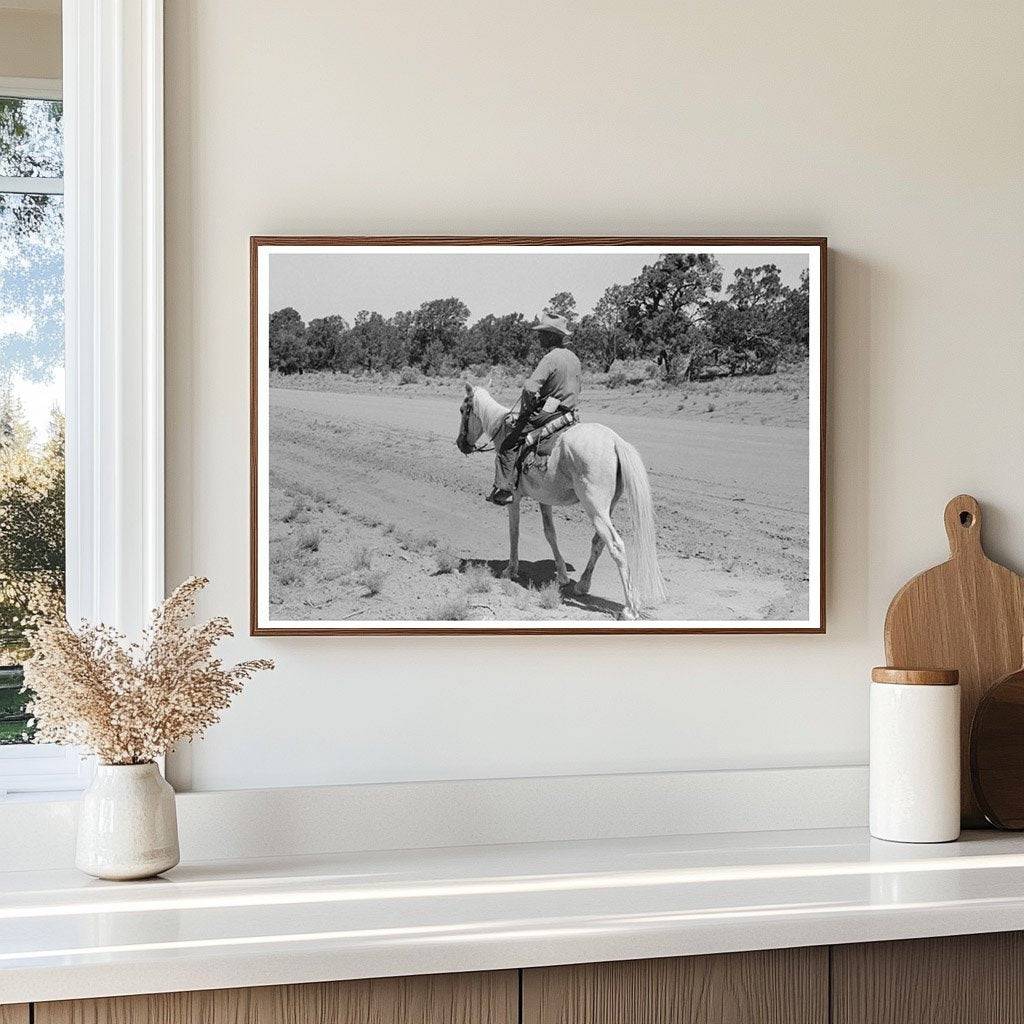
{"points": [[127, 825]]}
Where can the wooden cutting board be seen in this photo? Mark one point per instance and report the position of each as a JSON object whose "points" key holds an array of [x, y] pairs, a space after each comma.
{"points": [[967, 614]]}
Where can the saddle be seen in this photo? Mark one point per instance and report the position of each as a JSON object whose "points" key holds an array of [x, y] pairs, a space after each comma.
{"points": [[539, 443]]}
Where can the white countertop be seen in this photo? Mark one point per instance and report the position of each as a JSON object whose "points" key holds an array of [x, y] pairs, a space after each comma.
{"points": [[261, 922]]}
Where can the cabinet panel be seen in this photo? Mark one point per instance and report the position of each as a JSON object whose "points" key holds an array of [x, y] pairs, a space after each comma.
{"points": [[14, 1013], [779, 986], [481, 998], [962, 979]]}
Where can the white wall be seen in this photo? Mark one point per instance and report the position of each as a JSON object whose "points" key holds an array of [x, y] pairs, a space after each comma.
{"points": [[895, 129]]}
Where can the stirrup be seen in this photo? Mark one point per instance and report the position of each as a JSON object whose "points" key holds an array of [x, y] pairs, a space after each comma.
{"points": [[500, 497]]}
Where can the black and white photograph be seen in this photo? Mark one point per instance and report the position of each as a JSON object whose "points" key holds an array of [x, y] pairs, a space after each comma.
{"points": [[556, 435]]}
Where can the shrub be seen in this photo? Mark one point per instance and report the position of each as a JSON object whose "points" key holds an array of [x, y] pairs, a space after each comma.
{"points": [[480, 369], [478, 579], [410, 375], [310, 537], [549, 596], [361, 558], [615, 378], [287, 575], [410, 540], [298, 507], [453, 609], [446, 559], [372, 581], [515, 592], [632, 371]]}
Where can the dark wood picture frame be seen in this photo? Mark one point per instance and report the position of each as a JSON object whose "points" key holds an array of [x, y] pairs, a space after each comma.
{"points": [[645, 627]]}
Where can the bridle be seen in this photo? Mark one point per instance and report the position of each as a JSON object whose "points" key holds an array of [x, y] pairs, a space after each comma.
{"points": [[484, 443]]}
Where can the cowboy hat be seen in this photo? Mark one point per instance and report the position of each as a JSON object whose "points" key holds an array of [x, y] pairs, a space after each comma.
{"points": [[555, 324]]}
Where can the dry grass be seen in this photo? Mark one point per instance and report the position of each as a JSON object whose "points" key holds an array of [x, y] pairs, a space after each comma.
{"points": [[128, 703], [478, 579], [549, 596], [452, 609], [361, 558], [413, 540], [372, 581], [519, 596], [287, 574], [298, 507], [310, 538], [446, 559]]}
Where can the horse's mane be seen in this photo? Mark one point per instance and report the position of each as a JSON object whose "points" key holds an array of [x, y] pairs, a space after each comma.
{"points": [[490, 410]]}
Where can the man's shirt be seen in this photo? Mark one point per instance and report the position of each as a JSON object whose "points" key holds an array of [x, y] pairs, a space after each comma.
{"points": [[558, 376]]}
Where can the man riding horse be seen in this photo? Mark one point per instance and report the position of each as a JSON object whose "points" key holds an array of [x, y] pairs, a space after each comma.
{"points": [[553, 390]]}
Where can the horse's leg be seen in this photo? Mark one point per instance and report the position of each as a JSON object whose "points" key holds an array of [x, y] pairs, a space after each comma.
{"points": [[596, 547], [617, 549], [549, 533], [512, 570]]}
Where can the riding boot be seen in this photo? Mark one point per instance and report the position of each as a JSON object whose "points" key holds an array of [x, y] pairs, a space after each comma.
{"points": [[497, 497]]}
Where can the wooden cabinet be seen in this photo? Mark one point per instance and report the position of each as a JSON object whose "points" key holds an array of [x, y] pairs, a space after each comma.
{"points": [[778, 986], [962, 979], [970, 979], [491, 998]]}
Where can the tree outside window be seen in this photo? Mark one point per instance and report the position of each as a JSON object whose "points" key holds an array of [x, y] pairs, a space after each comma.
{"points": [[31, 386]]}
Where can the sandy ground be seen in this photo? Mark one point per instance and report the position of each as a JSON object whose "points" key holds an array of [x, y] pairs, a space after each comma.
{"points": [[375, 514]]}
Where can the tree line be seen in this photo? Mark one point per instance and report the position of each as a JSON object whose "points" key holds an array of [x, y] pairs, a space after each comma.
{"points": [[675, 311], [31, 548]]}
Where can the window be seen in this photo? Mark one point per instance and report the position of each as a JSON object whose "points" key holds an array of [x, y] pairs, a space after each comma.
{"points": [[81, 195], [32, 548]]}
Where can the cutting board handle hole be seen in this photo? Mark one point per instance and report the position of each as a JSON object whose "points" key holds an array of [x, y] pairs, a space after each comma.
{"points": [[966, 519]]}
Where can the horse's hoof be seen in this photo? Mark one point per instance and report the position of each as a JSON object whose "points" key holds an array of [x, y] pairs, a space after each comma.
{"points": [[563, 580], [628, 615], [510, 572], [581, 588]]}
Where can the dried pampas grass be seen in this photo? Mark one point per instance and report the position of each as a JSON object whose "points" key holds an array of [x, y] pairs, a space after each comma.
{"points": [[129, 703]]}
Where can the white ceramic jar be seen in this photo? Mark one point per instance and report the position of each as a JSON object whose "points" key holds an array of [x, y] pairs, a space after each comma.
{"points": [[915, 755], [127, 824]]}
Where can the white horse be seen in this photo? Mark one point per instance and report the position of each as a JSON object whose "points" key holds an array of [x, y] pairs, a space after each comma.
{"points": [[589, 464]]}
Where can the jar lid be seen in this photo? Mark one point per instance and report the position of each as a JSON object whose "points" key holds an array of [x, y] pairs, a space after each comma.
{"points": [[916, 676]]}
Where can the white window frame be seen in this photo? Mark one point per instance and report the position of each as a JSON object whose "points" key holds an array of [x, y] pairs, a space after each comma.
{"points": [[114, 325]]}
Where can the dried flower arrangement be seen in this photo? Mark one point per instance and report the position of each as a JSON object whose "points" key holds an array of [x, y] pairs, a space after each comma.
{"points": [[129, 703]]}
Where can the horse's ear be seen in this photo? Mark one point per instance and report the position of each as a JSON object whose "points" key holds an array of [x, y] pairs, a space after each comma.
{"points": [[469, 389], [490, 381]]}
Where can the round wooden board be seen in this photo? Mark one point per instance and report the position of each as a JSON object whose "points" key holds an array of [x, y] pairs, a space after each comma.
{"points": [[997, 752]]}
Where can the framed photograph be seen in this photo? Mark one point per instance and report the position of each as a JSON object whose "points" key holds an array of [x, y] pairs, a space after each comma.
{"points": [[537, 435]]}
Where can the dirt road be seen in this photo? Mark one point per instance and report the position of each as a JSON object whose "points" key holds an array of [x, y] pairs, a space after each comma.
{"points": [[381, 471]]}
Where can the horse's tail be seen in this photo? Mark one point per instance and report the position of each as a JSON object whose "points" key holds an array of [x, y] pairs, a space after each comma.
{"points": [[645, 572]]}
